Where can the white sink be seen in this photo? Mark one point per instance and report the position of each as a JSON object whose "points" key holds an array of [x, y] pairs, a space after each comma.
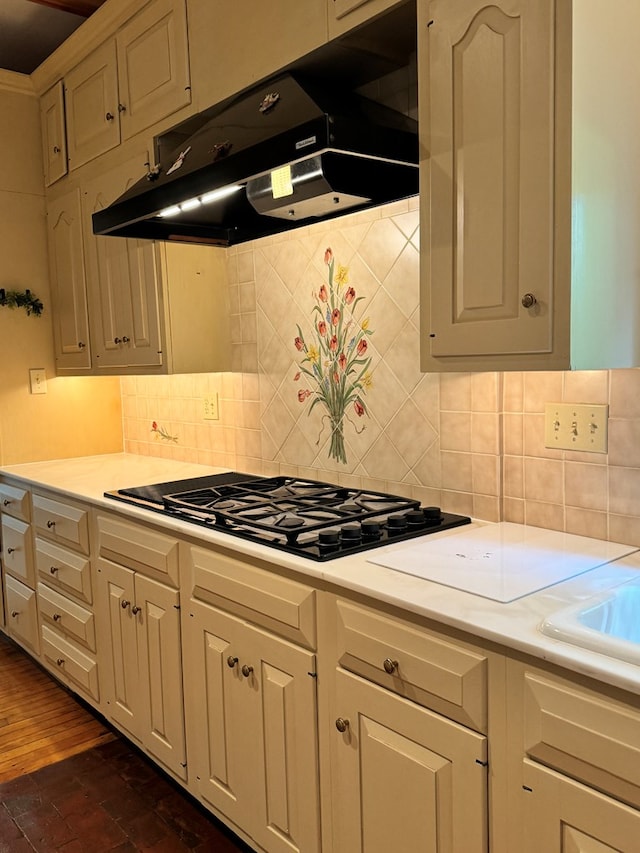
{"points": [[608, 623]]}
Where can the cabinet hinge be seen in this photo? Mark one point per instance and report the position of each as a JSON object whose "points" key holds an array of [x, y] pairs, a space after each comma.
{"points": [[183, 764], [177, 606], [313, 674], [430, 23], [482, 763], [527, 788]]}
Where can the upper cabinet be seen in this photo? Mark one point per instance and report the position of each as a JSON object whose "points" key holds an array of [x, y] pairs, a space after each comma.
{"points": [[343, 15], [54, 139], [528, 209], [129, 83], [233, 46]]}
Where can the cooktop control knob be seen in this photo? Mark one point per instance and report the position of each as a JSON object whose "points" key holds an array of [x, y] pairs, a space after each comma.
{"points": [[396, 524], [432, 515], [415, 518], [329, 538], [371, 529], [351, 533]]}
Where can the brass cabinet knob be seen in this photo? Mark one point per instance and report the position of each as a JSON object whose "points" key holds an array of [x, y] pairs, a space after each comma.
{"points": [[81, 345], [11, 550], [390, 665], [528, 300], [6, 502], [125, 339], [57, 617], [124, 604], [60, 661], [247, 670], [117, 340], [15, 613], [56, 149], [122, 108], [135, 609], [109, 116], [51, 524], [232, 661], [342, 724], [53, 569]]}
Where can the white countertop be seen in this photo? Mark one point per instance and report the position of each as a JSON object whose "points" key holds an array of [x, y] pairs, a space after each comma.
{"points": [[513, 624]]}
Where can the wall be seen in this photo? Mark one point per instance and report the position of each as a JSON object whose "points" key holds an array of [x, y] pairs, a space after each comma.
{"points": [[77, 416], [470, 442]]}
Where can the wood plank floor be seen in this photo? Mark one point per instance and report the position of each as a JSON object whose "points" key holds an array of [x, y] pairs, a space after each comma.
{"points": [[40, 723]]}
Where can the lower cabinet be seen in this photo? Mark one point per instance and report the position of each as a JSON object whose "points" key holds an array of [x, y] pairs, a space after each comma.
{"points": [[141, 657], [22, 614], [251, 723]]}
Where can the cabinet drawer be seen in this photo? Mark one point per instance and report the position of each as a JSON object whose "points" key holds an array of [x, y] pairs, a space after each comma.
{"points": [[76, 667], [279, 604], [64, 569], [17, 552], [584, 735], [22, 613], [138, 548], [15, 501], [62, 522], [67, 616], [433, 672]]}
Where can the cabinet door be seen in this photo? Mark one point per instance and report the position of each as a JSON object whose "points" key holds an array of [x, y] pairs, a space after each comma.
{"points": [[153, 65], [486, 75], [68, 284], [54, 138], [251, 716], [122, 281], [91, 100], [396, 765], [562, 816], [117, 644], [160, 672], [17, 550], [22, 614]]}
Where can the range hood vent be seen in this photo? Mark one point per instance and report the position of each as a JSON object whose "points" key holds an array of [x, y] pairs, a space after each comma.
{"points": [[288, 152]]}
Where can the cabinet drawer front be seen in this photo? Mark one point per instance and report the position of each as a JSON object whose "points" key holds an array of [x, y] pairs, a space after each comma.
{"points": [[22, 613], [64, 569], [67, 616], [588, 737], [138, 548], [17, 553], [62, 522], [74, 665], [280, 604], [448, 678], [15, 501]]}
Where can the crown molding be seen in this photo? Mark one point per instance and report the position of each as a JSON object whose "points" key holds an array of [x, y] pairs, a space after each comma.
{"points": [[91, 34], [11, 81]]}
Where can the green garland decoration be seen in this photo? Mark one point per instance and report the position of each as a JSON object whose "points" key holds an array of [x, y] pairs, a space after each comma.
{"points": [[21, 299]]}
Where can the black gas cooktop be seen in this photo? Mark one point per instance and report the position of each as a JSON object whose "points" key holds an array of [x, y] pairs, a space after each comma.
{"points": [[313, 519]]}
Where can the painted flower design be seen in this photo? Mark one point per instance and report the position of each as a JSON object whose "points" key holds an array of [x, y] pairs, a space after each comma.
{"points": [[336, 363], [161, 433]]}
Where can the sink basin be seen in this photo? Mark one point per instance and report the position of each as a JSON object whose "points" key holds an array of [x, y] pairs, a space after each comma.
{"points": [[608, 623]]}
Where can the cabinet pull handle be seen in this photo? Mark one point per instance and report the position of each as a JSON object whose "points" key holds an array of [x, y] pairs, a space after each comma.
{"points": [[51, 524], [124, 603], [109, 116], [135, 609], [122, 108], [247, 670], [15, 613], [53, 569], [231, 661], [60, 661], [11, 550], [56, 149], [57, 617], [6, 502], [125, 339], [528, 300], [117, 340], [342, 724], [390, 666], [81, 345]]}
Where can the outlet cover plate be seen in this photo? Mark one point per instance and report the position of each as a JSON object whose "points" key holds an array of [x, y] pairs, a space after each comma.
{"points": [[576, 426], [210, 407]]}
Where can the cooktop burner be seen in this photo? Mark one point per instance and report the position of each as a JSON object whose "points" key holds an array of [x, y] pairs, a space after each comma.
{"points": [[313, 519]]}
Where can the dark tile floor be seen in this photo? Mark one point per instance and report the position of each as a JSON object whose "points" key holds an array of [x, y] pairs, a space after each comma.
{"points": [[111, 798]]}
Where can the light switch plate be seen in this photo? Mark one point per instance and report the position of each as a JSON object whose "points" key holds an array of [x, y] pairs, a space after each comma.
{"points": [[211, 409], [37, 380], [576, 426]]}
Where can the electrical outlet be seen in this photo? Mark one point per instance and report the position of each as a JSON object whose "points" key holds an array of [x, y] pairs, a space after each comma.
{"points": [[210, 410], [576, 426], [37, 380]]}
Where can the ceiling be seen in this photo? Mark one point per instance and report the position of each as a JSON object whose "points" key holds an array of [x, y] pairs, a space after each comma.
{"points": [[30, 30]]}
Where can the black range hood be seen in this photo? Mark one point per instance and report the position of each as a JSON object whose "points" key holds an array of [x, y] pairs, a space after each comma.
{"points": [[286, 153]]}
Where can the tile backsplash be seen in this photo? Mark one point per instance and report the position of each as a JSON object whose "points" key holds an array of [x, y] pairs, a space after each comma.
{"points": [[473, 443]]}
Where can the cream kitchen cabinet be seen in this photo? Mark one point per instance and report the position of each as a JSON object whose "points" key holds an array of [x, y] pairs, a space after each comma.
{"points": [[527, 153], [68, 284], [251, 706], [399, 755], [54, 138], [234, 46], [18, 574], [129, 83], [139, 637], [344, 15]]}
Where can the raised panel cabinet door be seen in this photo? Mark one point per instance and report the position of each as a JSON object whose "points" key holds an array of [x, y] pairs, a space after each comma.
{"points": [[22, 613], [91, 101], [122, 281], [153, 65], [396, 765], [68, 284], [486, 74], [54, 138], [17, 550], [562, 816], [118, 645], [160, 669]]}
